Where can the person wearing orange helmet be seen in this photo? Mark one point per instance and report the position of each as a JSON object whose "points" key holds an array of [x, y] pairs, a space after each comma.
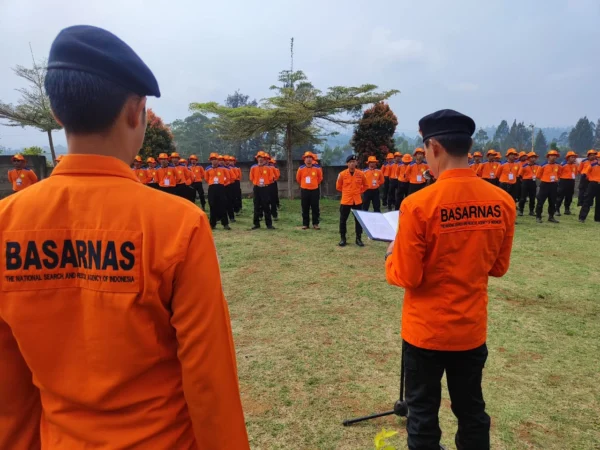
{"points": [[403, 180], [151, 172], [309, 178], [21, 177], [476, 161], [390, 201], [549, 174], [216, 178], [416, 172], [385, 170], [528, 174], [592, 155], [262, 177], [276, 205], [140, 173], [566, 183], [374, 182], [508, 174], [592, 173], [197, 172]]}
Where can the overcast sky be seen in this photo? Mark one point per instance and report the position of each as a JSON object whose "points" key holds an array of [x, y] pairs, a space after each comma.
{"points": [[532, 60]]}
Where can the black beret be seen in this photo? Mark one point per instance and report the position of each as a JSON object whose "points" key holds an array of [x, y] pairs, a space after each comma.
{"points": [[94, 50], [446, 121], [351, 158]]}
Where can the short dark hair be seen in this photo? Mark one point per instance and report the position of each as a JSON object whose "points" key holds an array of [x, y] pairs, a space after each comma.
{"points": [[455, 144], [83, 102]]}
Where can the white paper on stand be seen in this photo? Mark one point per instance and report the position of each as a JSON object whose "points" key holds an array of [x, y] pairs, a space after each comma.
{"points": [[378, 226]]}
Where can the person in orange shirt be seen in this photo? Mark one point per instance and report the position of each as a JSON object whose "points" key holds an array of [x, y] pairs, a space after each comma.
{"points": [[592, 172], [151, 172], [416, 172], [21, 177], [166, 176], [488, 170], [197, 172], [451, 238], [549, 174], [403, 180], [390, 201], [374, 182], [275, 189], [352, 183], [566, 183], [230, 189], [522, 159], [114, 330], [528, 174], [261, 176], [476, 161], [139, 172], [309, 178], [508, 173], [583, 181], [183, 178], [385, 170], [237, 191], [216, 178]]}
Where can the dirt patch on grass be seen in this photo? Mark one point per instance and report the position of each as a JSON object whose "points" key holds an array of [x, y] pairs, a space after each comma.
{"points": [[254, 407]]}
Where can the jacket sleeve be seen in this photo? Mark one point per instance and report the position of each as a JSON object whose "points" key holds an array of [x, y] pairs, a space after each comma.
{"points": [[339, 182], [500, 170], [500, 267], [365, 184], [206, 351], [480, 170], [20, 405], [33, 177], [10, 176], [319, 176], [405, 266], [299, 177]]}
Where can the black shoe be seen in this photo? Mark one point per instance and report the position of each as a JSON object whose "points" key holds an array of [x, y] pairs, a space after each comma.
{"points": [[531, 213], [581, 220], [359, 242], [255, 227], [538, 220], [232, 220], [557, 213], [520, 213], [567, 212], [553, 220], [271, 227], [275, 219], [342, 242], [226, 227]]}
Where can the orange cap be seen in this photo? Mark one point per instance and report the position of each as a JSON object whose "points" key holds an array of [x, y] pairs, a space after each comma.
{"points": [[552, 153], [521, 154], [398, 154], [418, 150], [490, 151], [371, 159], [389, 156], [175, 155], [260, 154], [592, 152], [532, 154], [407, 158], [138, 158], [163, 156], [511, 151], [221, 157], [570, 153], [273, 161], [150, 160], [307, 155], [182, 160], [477, 154], [18, 157], [213, 156], [469, 155], [194, 157]]}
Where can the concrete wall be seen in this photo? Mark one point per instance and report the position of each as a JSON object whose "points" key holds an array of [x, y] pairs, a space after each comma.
{"points": [[36, 163]]}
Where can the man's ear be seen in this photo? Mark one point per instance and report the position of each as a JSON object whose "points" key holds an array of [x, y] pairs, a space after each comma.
{"points": [[56, 118], [436, 147], [135, 111]]}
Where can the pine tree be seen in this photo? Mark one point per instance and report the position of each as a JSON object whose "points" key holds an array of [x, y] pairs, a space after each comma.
{"points": [[541, 145], [581, 138], [373, 136]]}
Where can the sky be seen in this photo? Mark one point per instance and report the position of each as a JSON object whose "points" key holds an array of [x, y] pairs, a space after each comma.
{"points": [[530, 60]]}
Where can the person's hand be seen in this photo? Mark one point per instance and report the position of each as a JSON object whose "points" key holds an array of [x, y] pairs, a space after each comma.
{"points": [[390, 248]]}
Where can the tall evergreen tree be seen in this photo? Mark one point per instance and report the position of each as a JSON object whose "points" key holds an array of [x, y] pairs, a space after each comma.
{"points": [[373, 136], [597, 137], [501, 135], [541, 145], [581, 138]]}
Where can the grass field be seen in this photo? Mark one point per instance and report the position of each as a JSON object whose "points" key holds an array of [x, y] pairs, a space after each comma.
{"points": [[316, 329]]}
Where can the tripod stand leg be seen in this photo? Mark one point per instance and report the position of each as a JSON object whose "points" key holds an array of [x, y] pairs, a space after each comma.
{"points": [[362, 419]]}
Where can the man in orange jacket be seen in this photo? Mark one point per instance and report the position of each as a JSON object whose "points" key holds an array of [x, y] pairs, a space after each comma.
{"points": [[390, 201], [403, 179], [528, 174], [385, 170], [476, 162], [566, 183], [21, 177], [114, 330], [139, 172], [261, 176], [197, 172], [416, 172], [549, 174], [216, 178], [592, 172], [583, 180], [151, 173], [351, 183], [508, 173], [374, 181], [451, 237], [309, 178]]}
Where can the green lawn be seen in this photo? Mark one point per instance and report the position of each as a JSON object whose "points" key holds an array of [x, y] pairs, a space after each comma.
{"points": [[316, 329]]}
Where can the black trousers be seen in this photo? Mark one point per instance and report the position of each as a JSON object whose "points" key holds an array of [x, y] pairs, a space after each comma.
{"points": [[412, 188], [237, 205], [217, 201], [309, 199], [592, 194], [583, 185], [230, 193], [403, 188], [273, 198], [464, 370], [344, 213], [493, 181], [276, 194], [510, 189], [547, 191], [390, 201], [371, 196], [199, 189], [528, 190], [262, 197], [518, 189], [566, 189], [386, 188]]}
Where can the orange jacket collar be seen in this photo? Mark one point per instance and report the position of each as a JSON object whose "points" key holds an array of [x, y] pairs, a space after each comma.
{"points": [[93, 165], [454, 173]]}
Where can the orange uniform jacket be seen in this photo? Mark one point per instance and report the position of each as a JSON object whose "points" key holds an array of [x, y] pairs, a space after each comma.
{"points": [[118, 312], [529, 172], [309, 177], [320, 169], [488, 170], [508, 172], [142, 175], [374, 178], [21, 178], [151, 175], [262, 175], [403, 173], [583, 165], [167, 176], [475, 167], [451, 237], [549, 173], [184, 176], [197, 173], [351, 186], [215, 175], [393, 170], [415, 172], [276, 172], [568, 171], [385, 169], [592, 171]]}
